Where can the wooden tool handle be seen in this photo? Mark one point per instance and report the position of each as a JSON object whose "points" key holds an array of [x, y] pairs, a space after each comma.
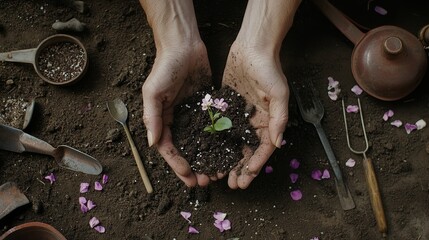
{"points": [[374, 194], [140, 165]]}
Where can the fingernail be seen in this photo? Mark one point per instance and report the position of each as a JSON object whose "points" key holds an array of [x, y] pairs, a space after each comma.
{"points": [[149, 138], [279, 140]]}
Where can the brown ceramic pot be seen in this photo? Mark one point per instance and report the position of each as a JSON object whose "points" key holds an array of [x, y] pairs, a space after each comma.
{"points": [[33, 231]]}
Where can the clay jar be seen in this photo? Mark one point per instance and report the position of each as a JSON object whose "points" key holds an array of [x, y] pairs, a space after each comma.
{"points": [[33, 231], [387, 62]]}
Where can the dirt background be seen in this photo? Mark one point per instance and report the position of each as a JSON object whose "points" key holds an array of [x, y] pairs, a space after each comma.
{"points": [[121, 52]]}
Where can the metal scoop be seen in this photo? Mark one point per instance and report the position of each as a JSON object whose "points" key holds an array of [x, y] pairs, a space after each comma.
{"points": [[15, 140], [312, 111], [119, 112], [32, 55], [10, 198], [371, 179]]}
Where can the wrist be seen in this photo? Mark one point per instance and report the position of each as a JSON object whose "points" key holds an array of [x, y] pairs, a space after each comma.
{"points": [[173, 23], [266, 23]]}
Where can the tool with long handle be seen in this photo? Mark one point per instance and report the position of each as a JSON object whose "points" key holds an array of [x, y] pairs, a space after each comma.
{"points": [[371, 179], [119, 112], [312, 111]]}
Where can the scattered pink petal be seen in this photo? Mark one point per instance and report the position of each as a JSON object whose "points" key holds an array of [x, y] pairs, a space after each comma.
{"points": [[296, 195], [410, 127], [226, 224], [98, 186], [93, 222], [333, 95], [83, 208], [192, 230], [104, 179], [268, 169], [293, 177], [219, 216], [396, 123], [84, 187], [51, 177], [100, 229], [82, 200], [332, 83], [352, 109], [284, 142], [294, 163], [351, 162], [357, 90], [380, 10], [314, 238], [186, 216], [316, 174], [388, 115], [90, 205], [420, 124], [326, 174]]}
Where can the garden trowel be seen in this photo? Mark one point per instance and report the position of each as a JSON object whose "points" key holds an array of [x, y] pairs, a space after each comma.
{"points": [[10, 198]]}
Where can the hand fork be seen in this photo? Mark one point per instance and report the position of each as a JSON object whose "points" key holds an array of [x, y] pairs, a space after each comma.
{"points": [[312, 111], [371, 179]]}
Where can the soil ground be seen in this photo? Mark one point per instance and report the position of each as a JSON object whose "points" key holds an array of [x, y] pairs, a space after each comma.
{"points": [[121, 52]]}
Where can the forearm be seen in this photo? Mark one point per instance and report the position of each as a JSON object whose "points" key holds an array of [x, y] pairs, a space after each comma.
{"points": [[173, 22], [266, 23]]}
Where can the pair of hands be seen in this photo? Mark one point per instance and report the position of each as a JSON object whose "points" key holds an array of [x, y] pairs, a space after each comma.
{"points": [[252, 72]]}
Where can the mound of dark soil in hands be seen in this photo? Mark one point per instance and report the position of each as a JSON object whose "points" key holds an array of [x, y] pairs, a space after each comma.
{"points": [[211, 153]]}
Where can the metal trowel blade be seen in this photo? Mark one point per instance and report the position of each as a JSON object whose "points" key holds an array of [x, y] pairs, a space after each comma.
{"points": [[10, 198]]}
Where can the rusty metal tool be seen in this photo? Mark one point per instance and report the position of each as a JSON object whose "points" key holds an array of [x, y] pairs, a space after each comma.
{"points": [[312, 111], [371, 179], [15, 140], [11, 198]]}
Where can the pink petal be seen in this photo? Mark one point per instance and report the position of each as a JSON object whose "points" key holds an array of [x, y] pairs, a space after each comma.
{"points": [[333, 95], [351, 162], [82, 200], [98, 186], [84, 187], [352, 109], [283, 142], [357, 90], [51, 178], [268, 169], [100, 229], [93, 222], [83, 208], [226, 224], [294, 163], [332, 83], [316, 174], [219, 216], [104, 179], [192, 230], [410, 127], [314, 238], [396, 123], [186, 216], [420, 124], [293, 177], [388, 115], [380, 10], [90, 205], [296, 195], [326, 174], [218, 225]]}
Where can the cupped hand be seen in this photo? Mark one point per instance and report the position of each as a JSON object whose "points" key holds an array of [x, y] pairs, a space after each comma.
{"points": [[257, 75], [178, 72]]}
